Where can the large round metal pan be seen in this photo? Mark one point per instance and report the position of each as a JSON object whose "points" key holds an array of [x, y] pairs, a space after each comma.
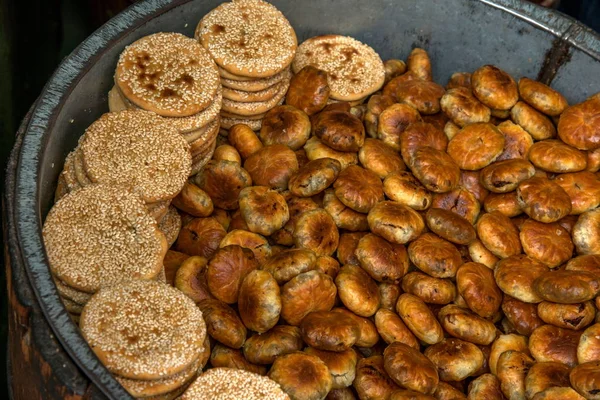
{"points": [[460, 35]]}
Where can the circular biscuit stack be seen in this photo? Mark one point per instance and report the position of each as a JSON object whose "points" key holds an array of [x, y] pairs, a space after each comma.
{"points": [[172, 76], [148, 334], [97, 236], [253, 45], [354, 70]]}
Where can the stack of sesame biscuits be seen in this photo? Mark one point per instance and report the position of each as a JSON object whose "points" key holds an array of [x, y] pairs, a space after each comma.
{"points": [[253, 45], [148, 334], [172, 76]]}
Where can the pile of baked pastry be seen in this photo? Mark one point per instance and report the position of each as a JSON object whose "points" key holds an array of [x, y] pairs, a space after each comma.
{"points": [[378, 236]]}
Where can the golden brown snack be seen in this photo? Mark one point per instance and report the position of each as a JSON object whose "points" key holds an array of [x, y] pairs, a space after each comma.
{"points": [[341, 365], [357, 291], [225, 357], [515, 276], [392, 329], [583, 189], [563, 393], [505, 343], [382, 260], [200, 237], [470, 181], [358, 188], [393, 121], [264, 210], [588, 348], [404, 188], [475, 283], [377, 103], [296, 206], [285, 125], [190, 278], [264, 348], [460, 201], [344, 217], [289, 263], [459, 80], [409, 395], [536, 124], [392, 86], [503, 203], [586, 232], [193, 201], [227, 270], [172, 261], [305, 293], [505, 176], [222, 181], [339, 130], [476, 146], [585, 379], [463, 324], [372, 380], [555, 156], [410, 369], [419, 319], [480, 254], [368, 332], [446, 391], [567, 287], [570, 316], [302, 376], [451, 129], [389, 294], [494, 87], [590, 263], [463, 108], [424, 96], [544, 375], [316, 149], [430, 290], [435, 169], [237, 221], [548, 243], [380, 158], [223, 323], [542, 97], [249, 240], [244, 140], [486, 386], [512, 370], [259, 301], [309, 90], [314, 177], [523, 316], [418, 63], [438, 120], [455, 359], [272, 166], [593, 160], [517, 141], [348, 244], [418, 135], [316, 231], [395, 222], [578, 125], [327, 330], [435, 256], [228, 153], [450, 226], [550, 343], [393, 68], [498, 234]]}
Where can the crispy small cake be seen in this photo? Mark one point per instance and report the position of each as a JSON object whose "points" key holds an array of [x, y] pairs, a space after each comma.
{"points": [[67, 292], [147, 388], [229, 383], [207, 138], [139, 150], [255, 85], [354, 69], [143, 329], [255, 117], [100, 235], [187, 125], [256, 107], [159, 209], [248, 38], [80, 174], [72, 307], [244, 96], [167, 73], [170, 225], [228, 122], [115, 100], [68, 173], [201, 159]]}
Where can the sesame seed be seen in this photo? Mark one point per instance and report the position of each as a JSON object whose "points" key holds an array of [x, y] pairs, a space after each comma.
{"points": [[197, 121], [246, 97], [70, 293], [256, 85], [170, 225], [256, 107], [227, 123]]}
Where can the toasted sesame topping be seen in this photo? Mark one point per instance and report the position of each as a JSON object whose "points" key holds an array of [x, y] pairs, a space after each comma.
{"points": [[257, 85], [100, 235], [246, 97], [68, 173], [139, 150], [69, 293], [206, 139], [170, 225], [167, 73], [82, 177], [248, 38], [71, 306], [143, 329], [256, 107], [354, 70], [197, 121], [202, 159], [159, 209], [227, 123], [229, 383]]}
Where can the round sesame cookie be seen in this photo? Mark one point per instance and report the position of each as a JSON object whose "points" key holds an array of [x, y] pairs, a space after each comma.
{"points": [[147, 388], [167, 73], [202, 159], [257, 107], [187, 125], [248, 38], [139, 150], [159, 209], [142, 329], [223, 73], [61, 188], [354, 70], [229, 383], [206, 139], [100, 235], [115, 100], [227, 123], [71, 306], [67, 292], [225, 114], [256, 85], [249, 97], [75, 318], [80, 174], [170, 225], [68, 173], [171, 395]]}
